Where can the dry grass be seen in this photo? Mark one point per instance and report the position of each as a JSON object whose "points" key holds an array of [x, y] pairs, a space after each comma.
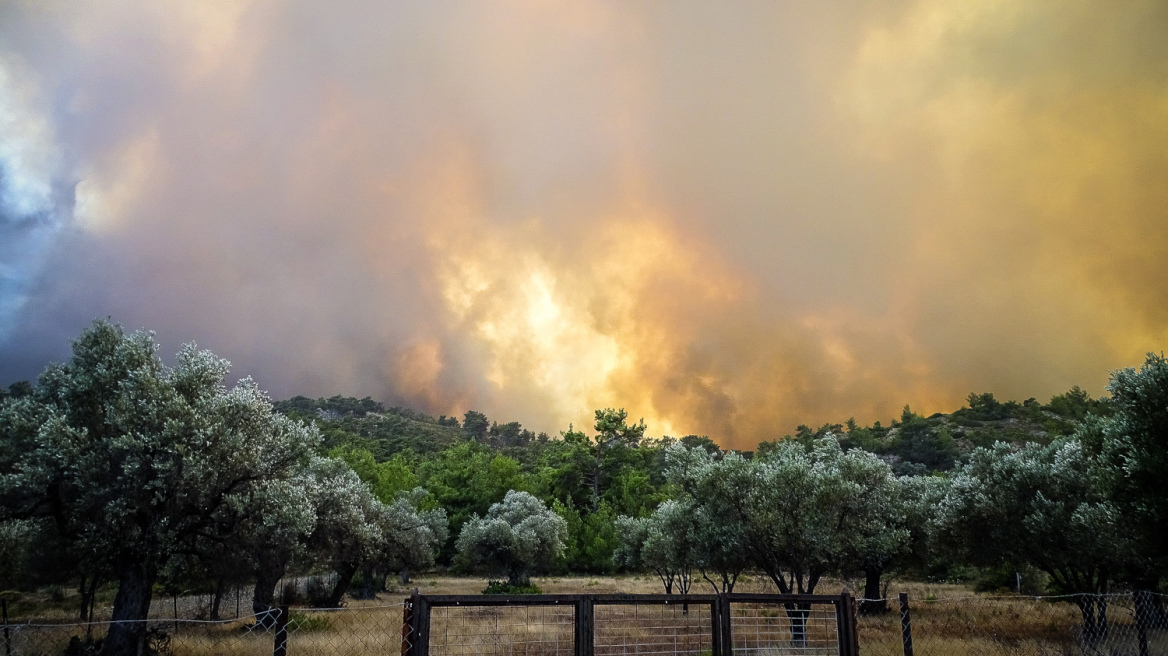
{"points": [[983, 625], [946, 620]]}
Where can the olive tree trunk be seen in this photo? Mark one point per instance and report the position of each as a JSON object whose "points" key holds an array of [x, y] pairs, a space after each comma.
{"points": [[268, 575], [127, 632], [872, 603], [344, 579]]}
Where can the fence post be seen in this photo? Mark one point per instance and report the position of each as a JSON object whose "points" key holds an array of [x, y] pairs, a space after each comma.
{"points": [[845, 618], [280, 648], [421, 625], [585, 628], [7, 642], [716, 627], [905, 624], [407, 626], [855, 628], [1143, 603], [727, 621]]}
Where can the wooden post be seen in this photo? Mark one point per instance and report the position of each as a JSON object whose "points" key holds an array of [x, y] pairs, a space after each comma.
{"points": [[7, 641], [1143, 600], [584, 627], [845, 619], [727, 618], [855, 628], [280, 647], [716, 627], [841, 624], [905, 624], [422, 625]]}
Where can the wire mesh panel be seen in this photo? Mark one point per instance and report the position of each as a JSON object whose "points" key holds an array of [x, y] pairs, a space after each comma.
{"points": [[606, 625], [502, 630], [653, 628], [771, 629]]}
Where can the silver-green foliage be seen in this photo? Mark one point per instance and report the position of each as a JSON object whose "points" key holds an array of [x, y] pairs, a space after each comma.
{"points": [[136, 461], [517, 536], [326, 517], [410, 535], [1131, 447], [800, 513], [1042, 505], [666, 542]]}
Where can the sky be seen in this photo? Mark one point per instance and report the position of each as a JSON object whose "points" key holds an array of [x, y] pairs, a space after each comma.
{"points": [[729, 219]]}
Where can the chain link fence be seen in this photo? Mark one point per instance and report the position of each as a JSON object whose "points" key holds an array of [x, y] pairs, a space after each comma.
{"points": [[351, 631], [1104, 625]]}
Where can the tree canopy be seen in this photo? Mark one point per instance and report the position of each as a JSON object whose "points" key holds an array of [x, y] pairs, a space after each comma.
{"points": [[134, 461], [516, 537]]}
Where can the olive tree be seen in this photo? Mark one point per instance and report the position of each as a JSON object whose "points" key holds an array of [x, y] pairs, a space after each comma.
{"points": [[327, 517], [135, 461], [410, 535], [665, 542], [272, 526], [347, 530], [1132, 447], [1041, 505], [517, 536], [398, 535], [721, 554], [878, 525], [802, 511]]}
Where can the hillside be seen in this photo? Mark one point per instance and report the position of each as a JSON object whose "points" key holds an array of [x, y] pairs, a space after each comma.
{"points": [[912, 444]]}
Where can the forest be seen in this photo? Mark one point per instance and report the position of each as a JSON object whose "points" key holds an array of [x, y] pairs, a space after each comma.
{"points": [[117, 470]]}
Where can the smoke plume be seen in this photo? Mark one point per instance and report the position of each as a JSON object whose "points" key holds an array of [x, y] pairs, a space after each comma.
{"points": [[728, 220]]}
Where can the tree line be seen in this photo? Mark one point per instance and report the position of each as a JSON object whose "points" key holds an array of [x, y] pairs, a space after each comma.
{"points": [[115, 468]]}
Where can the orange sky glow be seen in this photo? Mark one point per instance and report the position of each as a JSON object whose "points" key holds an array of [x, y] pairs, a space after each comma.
{"points": [[728, 219]]}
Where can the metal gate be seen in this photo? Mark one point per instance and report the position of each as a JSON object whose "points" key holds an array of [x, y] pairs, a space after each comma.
{"points": [[612, 625]]}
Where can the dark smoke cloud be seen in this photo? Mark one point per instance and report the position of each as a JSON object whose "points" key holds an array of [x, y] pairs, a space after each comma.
{"points": [[728, 220]]}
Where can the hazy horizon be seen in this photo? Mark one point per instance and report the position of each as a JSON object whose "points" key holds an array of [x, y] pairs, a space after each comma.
{"points": [[728, 220]]}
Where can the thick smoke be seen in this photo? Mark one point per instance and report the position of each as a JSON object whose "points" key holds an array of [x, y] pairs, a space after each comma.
{"points": [[35, 199], [727, 220]]}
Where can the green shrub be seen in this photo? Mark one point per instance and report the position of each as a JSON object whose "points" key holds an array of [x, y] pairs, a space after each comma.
{"points": [[308, 623], [504, 588], [1005, 578]]}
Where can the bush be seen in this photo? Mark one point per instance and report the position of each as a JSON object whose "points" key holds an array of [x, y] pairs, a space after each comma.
{"points": [[1005, 579], [518, 536], [307, 623], [505, 588]]}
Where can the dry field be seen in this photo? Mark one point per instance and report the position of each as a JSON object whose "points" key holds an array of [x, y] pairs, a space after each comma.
{"points": [[946, 619]]}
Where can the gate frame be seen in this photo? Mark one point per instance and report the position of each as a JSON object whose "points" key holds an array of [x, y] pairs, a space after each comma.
{"points": [[583, 605]]}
